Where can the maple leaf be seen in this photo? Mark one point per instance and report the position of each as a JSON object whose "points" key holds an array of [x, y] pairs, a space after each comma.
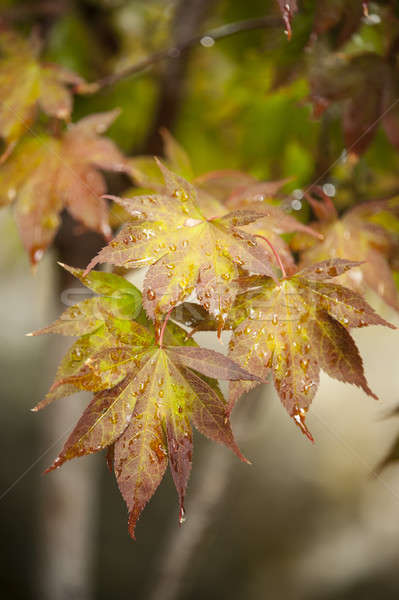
{"points": [[87, 319], [216, 190], [363, 84], [187, 251], [222, 183], [360, 235], [149, 386], [147, 395], [269, 228], [148, 177], [295, 328], [46, 174], [25, 82], [144, 171], [344, 17]]}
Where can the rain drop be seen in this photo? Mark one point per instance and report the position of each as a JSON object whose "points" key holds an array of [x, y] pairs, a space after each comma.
{"points": [[182, 515]]}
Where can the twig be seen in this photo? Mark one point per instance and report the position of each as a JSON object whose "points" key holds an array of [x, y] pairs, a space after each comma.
{"points": [[174, 52]]}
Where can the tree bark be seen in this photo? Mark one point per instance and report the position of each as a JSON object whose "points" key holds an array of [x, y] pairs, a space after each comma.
{"points": [[67, 511], [189, 18], [209, 488]]}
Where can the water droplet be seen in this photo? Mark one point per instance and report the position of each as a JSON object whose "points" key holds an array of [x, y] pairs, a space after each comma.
{"points": [[296, 204], [299, 417], [11, 193], [298, 194], [304, 364], [207, 41], [329, 189], [150, 294], [191, 222], [36, 255], [274, 319], [182, 515]]}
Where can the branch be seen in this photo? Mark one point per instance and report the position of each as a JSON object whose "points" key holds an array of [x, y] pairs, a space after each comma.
{"points": [[50, 8], [214, 473], [187, 23], [205, 39]]}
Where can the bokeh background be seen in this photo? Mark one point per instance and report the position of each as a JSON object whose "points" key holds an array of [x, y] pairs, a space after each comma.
{"points": [[303, 522]]}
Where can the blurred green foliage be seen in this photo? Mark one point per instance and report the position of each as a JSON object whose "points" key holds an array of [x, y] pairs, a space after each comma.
{"points": [[246, 99]]}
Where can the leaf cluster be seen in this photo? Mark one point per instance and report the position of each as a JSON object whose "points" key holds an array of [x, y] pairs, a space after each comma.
{"points": [[223, 252], [211, 265]]}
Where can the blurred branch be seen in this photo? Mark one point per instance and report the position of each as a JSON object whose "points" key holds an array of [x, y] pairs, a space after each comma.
{"points": [[175, 51], [37, 9], [68, 497], [187, 22], [209, 489]]}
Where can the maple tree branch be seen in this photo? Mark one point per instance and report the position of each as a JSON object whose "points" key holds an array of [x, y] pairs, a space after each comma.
{"points": [[188, 20], [275, 253], [173, 52]]}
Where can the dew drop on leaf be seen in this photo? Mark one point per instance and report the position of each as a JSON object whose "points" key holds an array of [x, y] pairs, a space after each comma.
{"points": [[182, 515]]}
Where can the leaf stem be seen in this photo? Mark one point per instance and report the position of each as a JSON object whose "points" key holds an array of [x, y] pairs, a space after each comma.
{"points": [[160, 341], [173, 52], [276, 254]]}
